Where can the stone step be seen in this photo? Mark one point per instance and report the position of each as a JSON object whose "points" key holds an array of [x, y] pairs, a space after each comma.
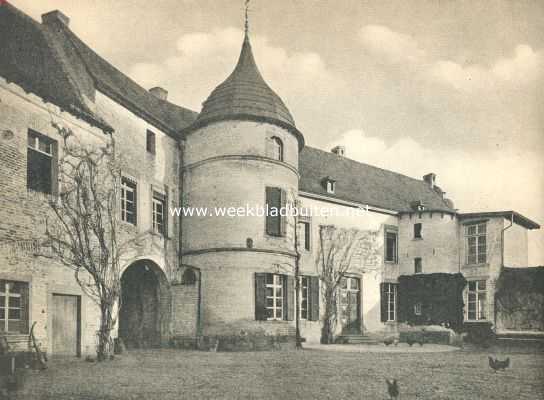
{"points": [[355, 339]]}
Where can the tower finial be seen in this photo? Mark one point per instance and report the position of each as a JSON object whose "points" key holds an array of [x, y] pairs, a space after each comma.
{"points": [[246, 24]]}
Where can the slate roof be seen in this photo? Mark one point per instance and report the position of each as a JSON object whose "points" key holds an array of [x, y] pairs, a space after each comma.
{"points": [[366, 184], [246, 95], [517, 217], [49, 60]]}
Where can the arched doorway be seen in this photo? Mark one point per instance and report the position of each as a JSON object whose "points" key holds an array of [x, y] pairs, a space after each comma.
{"points": [[145, 305]]}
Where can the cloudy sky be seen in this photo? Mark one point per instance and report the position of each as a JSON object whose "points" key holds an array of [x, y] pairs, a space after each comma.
{"points": [[451, 87]]}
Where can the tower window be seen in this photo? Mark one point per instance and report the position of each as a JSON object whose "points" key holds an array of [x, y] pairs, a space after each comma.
{"points": [[275, 148]]}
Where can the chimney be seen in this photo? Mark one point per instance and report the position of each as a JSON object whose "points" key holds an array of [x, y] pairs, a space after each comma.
{"points": [[339, 151], [430, 179], [159, 92], [53, 16]]}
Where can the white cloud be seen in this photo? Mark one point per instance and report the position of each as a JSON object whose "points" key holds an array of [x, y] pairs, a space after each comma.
{"points": [[475, 181], [204, 60], [523, 67], [395, 46]]}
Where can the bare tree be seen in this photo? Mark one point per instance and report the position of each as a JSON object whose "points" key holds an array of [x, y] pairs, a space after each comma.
{"points": [[82, 230], [341, 251]]}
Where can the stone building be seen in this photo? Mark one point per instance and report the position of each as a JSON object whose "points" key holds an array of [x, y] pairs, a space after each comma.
{"points": [[211, 275]]}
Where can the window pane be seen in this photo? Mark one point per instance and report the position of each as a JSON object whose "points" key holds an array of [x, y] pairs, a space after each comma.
{"points": [[39, 171], [481, 285], [471, 297], [269, 302], [14, 313], [481, 258], [2, 301], [472, 285], [2, 313], [15, 302], [471, 230], [481, 228]]}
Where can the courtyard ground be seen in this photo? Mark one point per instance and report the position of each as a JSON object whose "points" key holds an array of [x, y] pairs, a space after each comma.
{"points": [[308, 374]]}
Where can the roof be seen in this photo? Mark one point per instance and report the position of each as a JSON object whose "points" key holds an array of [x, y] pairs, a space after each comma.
{"points": [[517, 217], [366, 184], [31, 59], [50, 60], [246, 95]]}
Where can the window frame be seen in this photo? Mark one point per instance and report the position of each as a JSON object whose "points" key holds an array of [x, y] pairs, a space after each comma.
{"points": [[418, 228], [479, 256], [159, 198], [418, 309], [34, 141], [129, 185], [391, 231], [331, 186], [278, 228], [306, 227], [276, 149], [418, 262], [278, 282], [304, 312], [151, 142], [391, 293], [6, 306], [478, 309]]}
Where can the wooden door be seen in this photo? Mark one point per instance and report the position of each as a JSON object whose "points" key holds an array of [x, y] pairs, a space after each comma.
{"points": [[65, 321], [350, 306]]}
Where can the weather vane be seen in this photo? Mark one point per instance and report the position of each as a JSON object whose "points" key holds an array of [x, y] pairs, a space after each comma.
{"points": [[246, 25]]}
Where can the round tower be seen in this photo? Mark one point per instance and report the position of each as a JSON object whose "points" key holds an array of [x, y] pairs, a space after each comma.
{"points": [[240, 155]]}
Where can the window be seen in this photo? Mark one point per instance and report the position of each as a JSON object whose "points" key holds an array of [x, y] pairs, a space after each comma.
{"points": [[476, 300], [417, 231], [417, 308], [304, 296], [128, 201], [391, 301], [304, 235], [41, 163], [276, 148], [275, 203], [13, 306], [189, 277], [418, 265], [331, 186], [274, 296], [390, 246], [150, 142], [159, 213], [476, 244]]}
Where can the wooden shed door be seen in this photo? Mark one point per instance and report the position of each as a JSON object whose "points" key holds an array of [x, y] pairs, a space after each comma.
{"points": [[65, 325]]}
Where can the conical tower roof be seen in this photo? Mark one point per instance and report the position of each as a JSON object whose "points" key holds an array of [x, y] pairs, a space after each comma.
{"points": [[245, 95]]}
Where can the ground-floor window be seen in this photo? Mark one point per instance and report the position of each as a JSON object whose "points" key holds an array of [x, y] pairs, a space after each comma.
{"points": [[13, 306], [389, 301], [274, 296], [476, 300]]}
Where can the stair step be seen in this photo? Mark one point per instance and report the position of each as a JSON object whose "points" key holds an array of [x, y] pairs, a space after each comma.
{"points": [[355, 339]]}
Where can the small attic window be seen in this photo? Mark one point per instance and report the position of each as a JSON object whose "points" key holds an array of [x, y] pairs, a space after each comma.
{"points": [[329, 184], [418, 205]]}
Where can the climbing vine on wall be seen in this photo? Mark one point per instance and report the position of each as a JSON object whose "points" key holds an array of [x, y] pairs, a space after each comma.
{"points": [[431, 299]]}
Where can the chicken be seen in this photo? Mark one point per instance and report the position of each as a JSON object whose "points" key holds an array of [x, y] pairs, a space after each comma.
{"points": [[388, 341], [392, 388], [497, 364]]}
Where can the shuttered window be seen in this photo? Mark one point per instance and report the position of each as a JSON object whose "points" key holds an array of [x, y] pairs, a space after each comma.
{"points": [[274, 297], [275, 203], [13, 306]]}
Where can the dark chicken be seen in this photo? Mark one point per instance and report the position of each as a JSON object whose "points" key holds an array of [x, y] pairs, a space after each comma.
{"points": [[495, 364]]}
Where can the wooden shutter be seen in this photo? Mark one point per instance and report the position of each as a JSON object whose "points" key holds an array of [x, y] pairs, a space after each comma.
{"points": [[288, 297], [383, 302], [25, 305], [260, 296], [273, 201], [283, 204], [313, 300]]}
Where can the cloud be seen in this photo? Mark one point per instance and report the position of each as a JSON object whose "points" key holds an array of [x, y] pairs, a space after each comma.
{"points": [[397, 47], [204, 60], [475, 181], [523, 67]]}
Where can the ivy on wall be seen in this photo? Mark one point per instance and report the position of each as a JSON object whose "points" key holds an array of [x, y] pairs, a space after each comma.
{"points": [[431, 299], [520, 299]]}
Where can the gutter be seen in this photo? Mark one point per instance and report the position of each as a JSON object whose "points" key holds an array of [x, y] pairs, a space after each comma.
{"points": [[501, 266]]}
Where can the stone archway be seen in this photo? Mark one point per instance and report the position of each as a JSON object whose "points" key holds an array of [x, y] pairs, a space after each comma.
{"points": [[145, 306]]}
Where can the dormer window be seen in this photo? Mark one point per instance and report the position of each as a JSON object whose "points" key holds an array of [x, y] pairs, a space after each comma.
{"points": [[417, 205], [329, 184], [276, 148]]}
